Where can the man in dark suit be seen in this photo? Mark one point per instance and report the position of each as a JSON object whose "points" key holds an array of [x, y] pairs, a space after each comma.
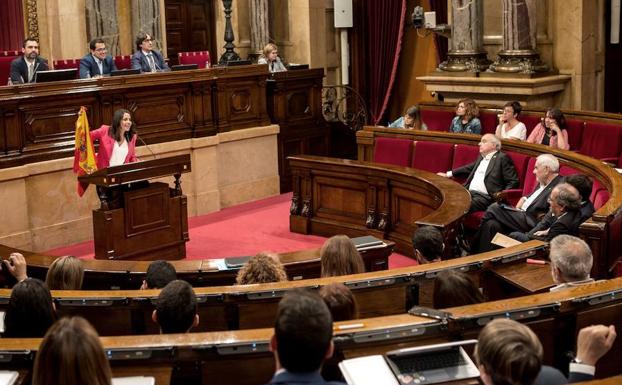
{"points": [[97, 63], [492, 172], [146, 59], [302, 340], [24, 68], [528, 211]]}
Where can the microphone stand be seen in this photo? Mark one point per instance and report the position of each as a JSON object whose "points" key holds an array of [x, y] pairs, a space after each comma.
{"points": [[146, 145]]}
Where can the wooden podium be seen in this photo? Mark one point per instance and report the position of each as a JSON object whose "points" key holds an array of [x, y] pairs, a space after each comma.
{"points": [[139, 220]]}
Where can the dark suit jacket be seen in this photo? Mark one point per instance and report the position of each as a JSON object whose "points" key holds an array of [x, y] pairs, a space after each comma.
{"points": [[500, 174], [19, 70], [568, 223], [140, 61], [585, 212], [551, 376], [89, 68], [541, 205], [289, 378]]}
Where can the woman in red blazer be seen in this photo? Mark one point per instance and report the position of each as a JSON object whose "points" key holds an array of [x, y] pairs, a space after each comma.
{"points": [[117, 143]]}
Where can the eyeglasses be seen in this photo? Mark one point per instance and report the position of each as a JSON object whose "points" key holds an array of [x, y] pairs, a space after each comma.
{"points": [[100, 50], [147, 40]]}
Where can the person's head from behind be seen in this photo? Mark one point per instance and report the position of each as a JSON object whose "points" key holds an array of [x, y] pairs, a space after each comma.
{"points": [[176, 308], [71, 354], [546, 168], [65, 273], [30, 311], [303, 332], [467, 109], [339, 256], [340, 301], [270, 52], [428, 244], [159, 274], [411, 116], [261, 268], [508, 353], [571, 259], [582, 183], [455, 289]]}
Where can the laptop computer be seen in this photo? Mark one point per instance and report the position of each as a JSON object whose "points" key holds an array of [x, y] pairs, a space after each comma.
{"points": [[432, 364], [56, 75], [126, 71], [183, 67]]}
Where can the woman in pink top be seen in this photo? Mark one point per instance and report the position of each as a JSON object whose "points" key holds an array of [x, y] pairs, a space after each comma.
{"points": [[550, 131], [117, 143]]}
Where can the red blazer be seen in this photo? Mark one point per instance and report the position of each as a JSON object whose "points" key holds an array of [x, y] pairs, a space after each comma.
{"points": [[106, 144]]}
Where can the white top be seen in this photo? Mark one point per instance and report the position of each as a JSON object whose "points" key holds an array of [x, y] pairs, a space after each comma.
{"points": [[519, 131], [119, 153], [477, 183]]}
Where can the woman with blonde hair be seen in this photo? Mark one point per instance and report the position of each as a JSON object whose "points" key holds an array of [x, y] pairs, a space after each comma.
{"points": [[71, 354], [270, 56], [262, 268], [338, 256], [65, 273]]}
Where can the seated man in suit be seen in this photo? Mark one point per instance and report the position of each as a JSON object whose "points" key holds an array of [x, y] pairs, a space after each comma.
{"points": [[509, 352], [528, 211], [571, 262], [302, 340], [97, 63], [176, 308], [24, 68], [147, 59], [564, 217], [492, 172]]}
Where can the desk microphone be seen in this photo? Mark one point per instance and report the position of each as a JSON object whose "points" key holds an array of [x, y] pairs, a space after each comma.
{"points": [[148, 148]]}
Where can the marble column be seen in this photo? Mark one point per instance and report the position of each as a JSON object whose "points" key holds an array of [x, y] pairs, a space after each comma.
{"points": [[146, 18], [519, 54], [101, 21], [466, 51], [260, 34]]}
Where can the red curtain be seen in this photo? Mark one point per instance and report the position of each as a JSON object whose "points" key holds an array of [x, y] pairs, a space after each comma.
{"points": [[385, 25], [442, 44], [11, 25]]}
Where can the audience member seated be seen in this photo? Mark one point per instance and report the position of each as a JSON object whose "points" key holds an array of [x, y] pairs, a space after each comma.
{"points": [[159, 274], [30, 311], [551, 130], [564, 216], [492, 172], [147, 59], [270, 56], [71, 354], [466, 120], [176, 308], [65, 273], [501, 218], [302, 340], [340, 301], [262, 268], [16, 266], [508, 352], [584, 186], [410, 121], [338, 256], [97, 63], [428, 244], [571, 262], [455, 289], [509, 127], [24, 68]]}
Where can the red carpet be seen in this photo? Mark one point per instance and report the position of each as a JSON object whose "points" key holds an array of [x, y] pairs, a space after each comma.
{"points": [[240, 230]]}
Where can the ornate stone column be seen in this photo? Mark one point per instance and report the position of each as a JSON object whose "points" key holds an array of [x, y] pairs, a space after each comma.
{"points": [[146, 18], [466, 53], [519, 54], [101, 21], [260, 34]]}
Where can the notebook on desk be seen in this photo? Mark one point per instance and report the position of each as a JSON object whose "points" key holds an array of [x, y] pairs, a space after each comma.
{"points": [[236, 262]]}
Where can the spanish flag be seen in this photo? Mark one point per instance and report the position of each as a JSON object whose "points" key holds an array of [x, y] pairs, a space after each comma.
{"points": [[84, 154]]}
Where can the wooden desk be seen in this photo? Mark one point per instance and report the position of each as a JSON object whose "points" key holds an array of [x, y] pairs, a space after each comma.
{"points": [[517, 279]]}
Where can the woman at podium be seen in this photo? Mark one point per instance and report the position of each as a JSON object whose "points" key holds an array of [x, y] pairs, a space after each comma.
{"points": [[117, 142]]}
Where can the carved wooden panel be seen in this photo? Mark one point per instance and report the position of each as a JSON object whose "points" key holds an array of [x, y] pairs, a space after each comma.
{"points": [[190, 26], [341, 199], [146, 210]]}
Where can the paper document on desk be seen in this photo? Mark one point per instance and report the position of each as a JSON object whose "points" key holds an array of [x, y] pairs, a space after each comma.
{"points": [[137, 380], [370, 370], [8, 377], [504, 241]]}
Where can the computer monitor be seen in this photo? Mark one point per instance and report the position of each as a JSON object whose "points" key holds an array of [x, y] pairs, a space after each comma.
{"points": [[238, 63], [294, 67], [123, 72], [183, 67], [56, 75]]}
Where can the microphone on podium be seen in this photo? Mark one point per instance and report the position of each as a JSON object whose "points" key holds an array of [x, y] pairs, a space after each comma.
{"points": [[146, 145]]}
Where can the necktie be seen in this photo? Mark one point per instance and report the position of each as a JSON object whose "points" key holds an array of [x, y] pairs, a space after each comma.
{"points": [[100, 65], [151, 62], [31, 71]]}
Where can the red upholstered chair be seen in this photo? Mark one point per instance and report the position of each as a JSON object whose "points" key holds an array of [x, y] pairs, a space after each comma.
{"points": [[10, 53], [64, 64], [123, 62], [437, 120], [433, 156], [489, 121], [600, 198], [575, 132], [601, 141], [5, 68], [200, 58], [393, 151], [529, 184], [530, 121], [464, 154], [567, 170]]}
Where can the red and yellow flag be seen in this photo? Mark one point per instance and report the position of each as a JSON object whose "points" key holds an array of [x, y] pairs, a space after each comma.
{"points": [[84, 154]]}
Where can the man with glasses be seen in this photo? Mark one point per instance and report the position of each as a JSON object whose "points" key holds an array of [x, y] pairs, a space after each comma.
{"points": [[147, 59], [97, 63], [24, 69]]}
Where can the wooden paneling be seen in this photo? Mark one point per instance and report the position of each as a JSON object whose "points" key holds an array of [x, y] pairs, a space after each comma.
{"points": [[190, 26]]}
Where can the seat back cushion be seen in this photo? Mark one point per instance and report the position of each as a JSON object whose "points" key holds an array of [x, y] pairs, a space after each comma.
{"points": [[65, 64], [520, 164], [489, 121], [200, 58], [5, 69], [123, 62], [575, 132], [433, 156], [600, 198], [530, 120], [530, 178], [601, 140], [437, 120], [393, 151]]}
